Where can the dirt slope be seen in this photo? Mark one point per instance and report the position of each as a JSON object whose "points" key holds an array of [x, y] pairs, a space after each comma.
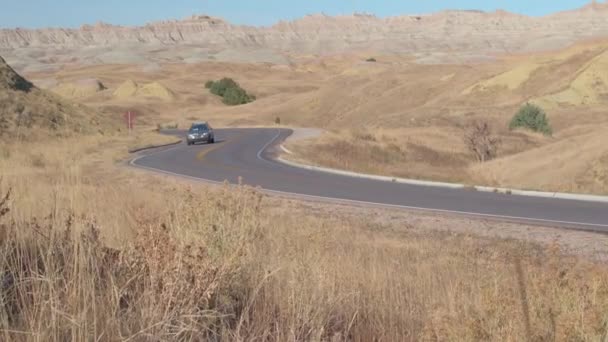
{"points": [[415, 112], [29, 113], [131, 90]]}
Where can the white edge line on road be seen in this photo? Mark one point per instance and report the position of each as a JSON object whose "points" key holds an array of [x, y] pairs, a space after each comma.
{"points": [[133, 163], [285, 149], [268, 144], [527, 193]]}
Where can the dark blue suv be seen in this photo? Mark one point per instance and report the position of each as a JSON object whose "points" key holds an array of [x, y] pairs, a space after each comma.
{"points": [[200, 132]]}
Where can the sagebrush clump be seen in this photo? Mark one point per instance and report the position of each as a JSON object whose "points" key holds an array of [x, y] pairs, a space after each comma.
{"points": [[481, 141], [231, 92], [531, 117]]}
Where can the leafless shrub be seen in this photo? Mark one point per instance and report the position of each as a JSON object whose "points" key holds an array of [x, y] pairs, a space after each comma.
{"points": [[38, 160], [481, 141], [363, 135], [218, 266], [4, 209], [159, 287]]}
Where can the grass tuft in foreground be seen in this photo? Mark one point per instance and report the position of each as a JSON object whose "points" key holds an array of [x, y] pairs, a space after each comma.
{"points": [[228, 269], [89, 251]]}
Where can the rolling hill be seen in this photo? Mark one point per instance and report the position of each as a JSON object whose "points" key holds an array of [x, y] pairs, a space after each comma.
{"points": [[28, 112]]}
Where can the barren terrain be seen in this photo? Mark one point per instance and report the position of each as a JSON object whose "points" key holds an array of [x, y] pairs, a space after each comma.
{"points": [[91, 249], [447, 36], [114, 252], [393, 116]]}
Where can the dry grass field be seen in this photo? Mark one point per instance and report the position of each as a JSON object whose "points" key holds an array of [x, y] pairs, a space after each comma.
{"points": [[416, 114], [94, 250], [91, 249]]}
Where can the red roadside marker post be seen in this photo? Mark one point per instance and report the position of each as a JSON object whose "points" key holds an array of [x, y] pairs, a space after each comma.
{"points": [[130, 120]]}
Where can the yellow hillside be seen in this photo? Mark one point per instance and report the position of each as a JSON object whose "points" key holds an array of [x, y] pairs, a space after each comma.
{"points": [[130, 89], [511, 79], [43, 113], [589, 87], [126, 90], [569, 76], [156, 89], [79, 89], [573, 164]]}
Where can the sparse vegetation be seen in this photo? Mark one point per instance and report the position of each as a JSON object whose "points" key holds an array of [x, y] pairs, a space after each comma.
{"points": [[230, 91], [226, 264], [13, 81], [363, 135], [220, 87], [531, 117], [481, 141], [25, 109], [362, 151], [91, 252], [371, 59], [38, 160], [237, 96], [277, 120]]}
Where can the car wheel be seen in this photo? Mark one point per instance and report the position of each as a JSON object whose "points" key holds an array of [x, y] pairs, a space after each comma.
{"points": [[212, 140]]}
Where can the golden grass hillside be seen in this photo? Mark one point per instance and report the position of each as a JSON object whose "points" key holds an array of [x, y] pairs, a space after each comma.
{"points": [[27, 112], [93, 251], [421, 112], [131, 90], [79, 89]]}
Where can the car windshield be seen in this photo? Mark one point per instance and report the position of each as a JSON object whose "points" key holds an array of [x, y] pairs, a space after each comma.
{"points": [[199, 128]]}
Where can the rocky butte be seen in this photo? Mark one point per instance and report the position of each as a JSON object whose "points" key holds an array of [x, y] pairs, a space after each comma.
{"points": [[464, 34]]}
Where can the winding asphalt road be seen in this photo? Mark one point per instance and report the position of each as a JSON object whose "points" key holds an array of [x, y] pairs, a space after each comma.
{"points": [[248, 155]]}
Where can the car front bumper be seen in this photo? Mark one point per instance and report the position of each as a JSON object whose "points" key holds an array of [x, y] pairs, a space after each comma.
{"points": [[199, 139]]}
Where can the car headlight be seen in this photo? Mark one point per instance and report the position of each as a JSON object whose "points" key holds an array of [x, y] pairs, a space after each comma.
{"points": [[192, 136]]}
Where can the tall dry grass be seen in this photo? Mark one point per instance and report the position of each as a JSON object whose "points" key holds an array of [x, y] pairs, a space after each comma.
{"points": [[84, 257], [366, 151]]}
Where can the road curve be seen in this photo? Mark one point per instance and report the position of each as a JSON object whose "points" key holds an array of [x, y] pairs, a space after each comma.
{"points": [[248, 154]]}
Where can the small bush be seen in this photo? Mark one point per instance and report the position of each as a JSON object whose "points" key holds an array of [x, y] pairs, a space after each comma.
{"points": [[372, 59], [363, 135], [38, 160], [220, 87], [5, 152], [481, 141], [277, 120], [531, 117], [236, 96], [230, 91]]}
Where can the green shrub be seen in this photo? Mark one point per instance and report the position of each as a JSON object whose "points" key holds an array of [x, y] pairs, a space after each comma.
{"points": [[236, 96], [220, 87], [531, 117], [230, 91], [372, 59]]}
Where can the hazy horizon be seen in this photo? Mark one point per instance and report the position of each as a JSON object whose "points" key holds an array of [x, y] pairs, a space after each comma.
{"points": [[73, 14]]}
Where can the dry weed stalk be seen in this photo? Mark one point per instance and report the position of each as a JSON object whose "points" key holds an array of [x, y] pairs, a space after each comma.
{"points": [[480, 140], [227, 268]]}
